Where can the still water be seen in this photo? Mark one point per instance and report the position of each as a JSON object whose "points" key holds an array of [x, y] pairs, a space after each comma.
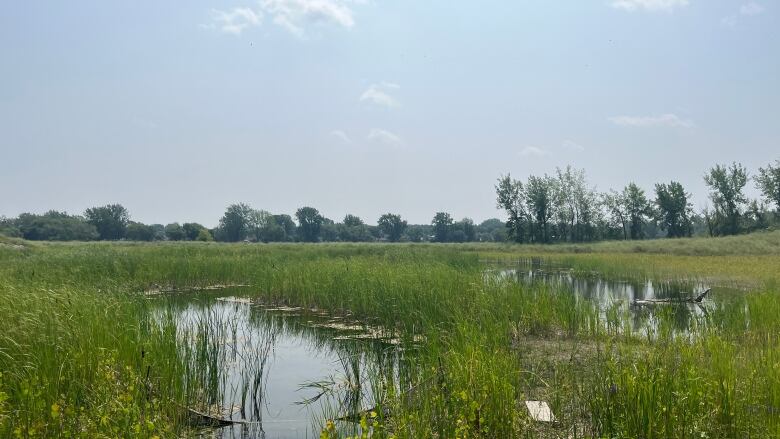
{"points": [[625, 296], [280, 372]]}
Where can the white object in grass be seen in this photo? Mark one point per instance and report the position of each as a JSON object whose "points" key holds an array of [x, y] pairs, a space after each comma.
{"points": [[540, 411]]}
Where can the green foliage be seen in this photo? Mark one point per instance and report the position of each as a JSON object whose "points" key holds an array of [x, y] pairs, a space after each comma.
{"points": [[553, 208], [353, 230], [510, 195], [3, 402], [110, 221], [192, 230], [442, 225], [492, 229], [637, 210], [418, 232], [352, 221], [539, 200], [445, 229], [204, 236], [392, 226], [8, 228], [258, 224], [140, 232], [726, 192], [309, 224], [287, 226], [159, 232], [674, 209], [478, 336], [175, 232], [465, 231], [234, 224], [577, 207], [54, 226], [768, 182]]}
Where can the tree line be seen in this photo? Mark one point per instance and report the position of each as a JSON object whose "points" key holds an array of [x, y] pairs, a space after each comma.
{"points": [[542, 209], [564, 208], [240, 222]]}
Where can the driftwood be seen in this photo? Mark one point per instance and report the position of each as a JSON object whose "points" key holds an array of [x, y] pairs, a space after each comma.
{"points": [[207, 420], [669, 301]]}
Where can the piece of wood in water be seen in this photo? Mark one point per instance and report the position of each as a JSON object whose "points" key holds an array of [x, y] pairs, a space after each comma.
{"points": [[540, 411]]}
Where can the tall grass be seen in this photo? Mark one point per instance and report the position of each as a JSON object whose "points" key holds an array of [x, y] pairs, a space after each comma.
{"points": [[82, 351]]}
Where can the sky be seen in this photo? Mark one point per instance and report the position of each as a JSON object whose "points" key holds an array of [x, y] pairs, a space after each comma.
{"points": [[177, 109]]}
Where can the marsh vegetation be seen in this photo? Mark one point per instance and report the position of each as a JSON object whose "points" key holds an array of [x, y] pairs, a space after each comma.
{"points": [[394, 340]]}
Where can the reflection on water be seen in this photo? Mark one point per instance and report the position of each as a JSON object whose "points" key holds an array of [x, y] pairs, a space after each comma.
{"points": [[252, 365], [617, 299]]}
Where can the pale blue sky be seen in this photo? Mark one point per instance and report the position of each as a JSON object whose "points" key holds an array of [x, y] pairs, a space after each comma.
{"points": [[176, 109]]}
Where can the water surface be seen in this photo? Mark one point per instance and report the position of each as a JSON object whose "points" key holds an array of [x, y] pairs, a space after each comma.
{"points": [[621, 295], [257, 365]]}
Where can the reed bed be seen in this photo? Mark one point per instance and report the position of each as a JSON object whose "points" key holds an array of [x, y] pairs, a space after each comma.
{"points": [[82, 352]]}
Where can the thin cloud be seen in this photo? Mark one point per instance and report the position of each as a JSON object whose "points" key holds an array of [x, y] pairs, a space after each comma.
{"points": [[649, 5], [384, 136], [379, 94], [663, 120], [730, 21], [341, 135], [532, 151], [572, 146], [235, 20], [751, 8], [293, 15]]}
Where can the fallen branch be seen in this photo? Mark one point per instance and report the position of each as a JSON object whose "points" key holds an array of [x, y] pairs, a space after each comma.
{"points": [[668, 301]]}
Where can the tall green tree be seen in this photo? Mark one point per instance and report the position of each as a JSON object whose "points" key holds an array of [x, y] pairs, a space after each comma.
{"points": [[352, 221], [353, 229], [329, 231], [510, 196], [442, 226], [468, 228], [287, 226], [418, 232], [174, 232], [258, 224], [192, 230], [110, 220], [570, 189], [577, 206], [615, 204], [204, 235], [768, 182], [159, 231], [234, 224], [540, 193], [673, 208], [309, 224], [140, 232], [55, 226], [490, 229], [637, 209], [8, 227], [726, 192], [756, 216], [392, 226]]}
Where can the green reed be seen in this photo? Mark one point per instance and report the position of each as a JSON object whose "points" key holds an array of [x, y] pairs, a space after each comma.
{"points": [[82, 351]]}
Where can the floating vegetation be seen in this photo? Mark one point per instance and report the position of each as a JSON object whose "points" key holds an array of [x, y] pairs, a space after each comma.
{"points": [[156, 290]]}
